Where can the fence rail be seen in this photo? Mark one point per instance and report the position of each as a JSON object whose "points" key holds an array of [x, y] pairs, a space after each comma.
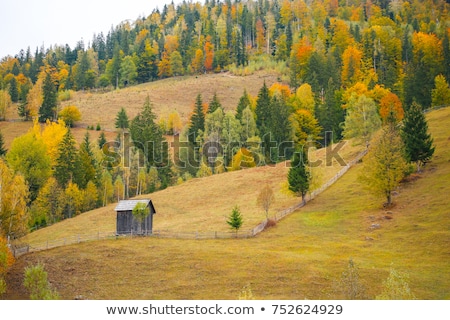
{"points": [[19, 248]]}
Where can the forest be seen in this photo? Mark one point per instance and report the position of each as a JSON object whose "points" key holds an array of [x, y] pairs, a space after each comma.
{"points": [[345, 68]]}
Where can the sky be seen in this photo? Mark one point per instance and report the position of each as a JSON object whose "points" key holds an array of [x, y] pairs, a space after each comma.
{"points": [[31, 23]]}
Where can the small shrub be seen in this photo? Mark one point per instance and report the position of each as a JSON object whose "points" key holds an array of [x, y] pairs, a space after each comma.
{"points": [[37, 284], [270, 223], [98, 128]]}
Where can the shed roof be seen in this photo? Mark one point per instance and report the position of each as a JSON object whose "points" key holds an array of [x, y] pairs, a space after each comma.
{"points": [[128, 205]]}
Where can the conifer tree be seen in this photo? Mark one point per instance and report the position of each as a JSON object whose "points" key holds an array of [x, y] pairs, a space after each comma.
{"points": [[122, 119], [243, 103], [418, 142], [235, 220], [67, 163], [197, 122], [13, 91], [214, 104], [46, 111], [298, 175], [87, 162], [101, 140]]}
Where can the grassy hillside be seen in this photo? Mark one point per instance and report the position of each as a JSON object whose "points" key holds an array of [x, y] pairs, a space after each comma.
{"points": [[168, 95], [200, 205], [300, 258]]}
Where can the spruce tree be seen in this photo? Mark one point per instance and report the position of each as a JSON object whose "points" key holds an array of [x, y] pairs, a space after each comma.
{"points": [[243, 103], [13, 90], [418, 142], [48, 106], [214, 104], [148, 137], [298, 175], [101, 140], [197, 120], [235, 220], [122, 120], [67, 163], [88, 163]]}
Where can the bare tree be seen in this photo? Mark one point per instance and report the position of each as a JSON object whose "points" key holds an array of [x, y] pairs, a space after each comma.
{"points": [[266, 198]]}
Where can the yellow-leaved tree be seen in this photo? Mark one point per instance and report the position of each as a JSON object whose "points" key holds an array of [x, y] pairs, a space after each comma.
{"points": [[52, 135], [13, 202]]}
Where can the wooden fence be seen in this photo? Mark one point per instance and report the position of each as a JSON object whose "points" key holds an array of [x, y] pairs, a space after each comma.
{"points": [[19, 249]]}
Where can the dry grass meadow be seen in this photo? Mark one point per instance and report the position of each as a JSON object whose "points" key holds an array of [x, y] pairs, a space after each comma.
{"points": [[168, 95], [301, 257]]}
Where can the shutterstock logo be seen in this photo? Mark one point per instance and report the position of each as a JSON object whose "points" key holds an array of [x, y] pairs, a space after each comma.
{"points": [[215, 153]]}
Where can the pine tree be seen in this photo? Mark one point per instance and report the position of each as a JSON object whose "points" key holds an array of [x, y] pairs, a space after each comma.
{"points": [[13, 91], [67, 163], [47, 109], [243, 103], [214, 104], [197, 122], [263, 109], [87, 162], [122, 119], [148, 137], [298, 175], [235, 220], [101, 140], [418, 142]]}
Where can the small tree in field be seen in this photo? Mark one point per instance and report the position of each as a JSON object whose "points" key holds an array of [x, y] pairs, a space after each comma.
{"points": [[265, 199], [418, 142], [396, 287], [37, 284], [70, 115], [235, 220], [349, 286], [298, 176]]}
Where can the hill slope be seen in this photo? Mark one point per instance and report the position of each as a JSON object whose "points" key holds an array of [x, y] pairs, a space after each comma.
{"points": [[300, 258], [168, 95]]}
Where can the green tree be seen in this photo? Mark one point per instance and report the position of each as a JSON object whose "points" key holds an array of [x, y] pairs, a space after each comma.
{"points": [[88, 163], [36, 281], [101, 140], [67, 162], [148, 137], [362, 119], [176, 64], [128, 71], [298, 175], [214, 104], [47, 208], [244, 102], [197, 121], [385, 165], [49, 102], [418, 142], [235, 219], [122, 119], [13, 90], [28, 155], [440, 95]]}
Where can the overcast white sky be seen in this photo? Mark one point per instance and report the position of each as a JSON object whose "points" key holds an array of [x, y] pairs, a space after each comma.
{"points": [[35, 23]]}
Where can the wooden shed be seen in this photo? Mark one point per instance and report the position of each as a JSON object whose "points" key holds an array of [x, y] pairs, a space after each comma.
{"points": [[128, 224]]}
